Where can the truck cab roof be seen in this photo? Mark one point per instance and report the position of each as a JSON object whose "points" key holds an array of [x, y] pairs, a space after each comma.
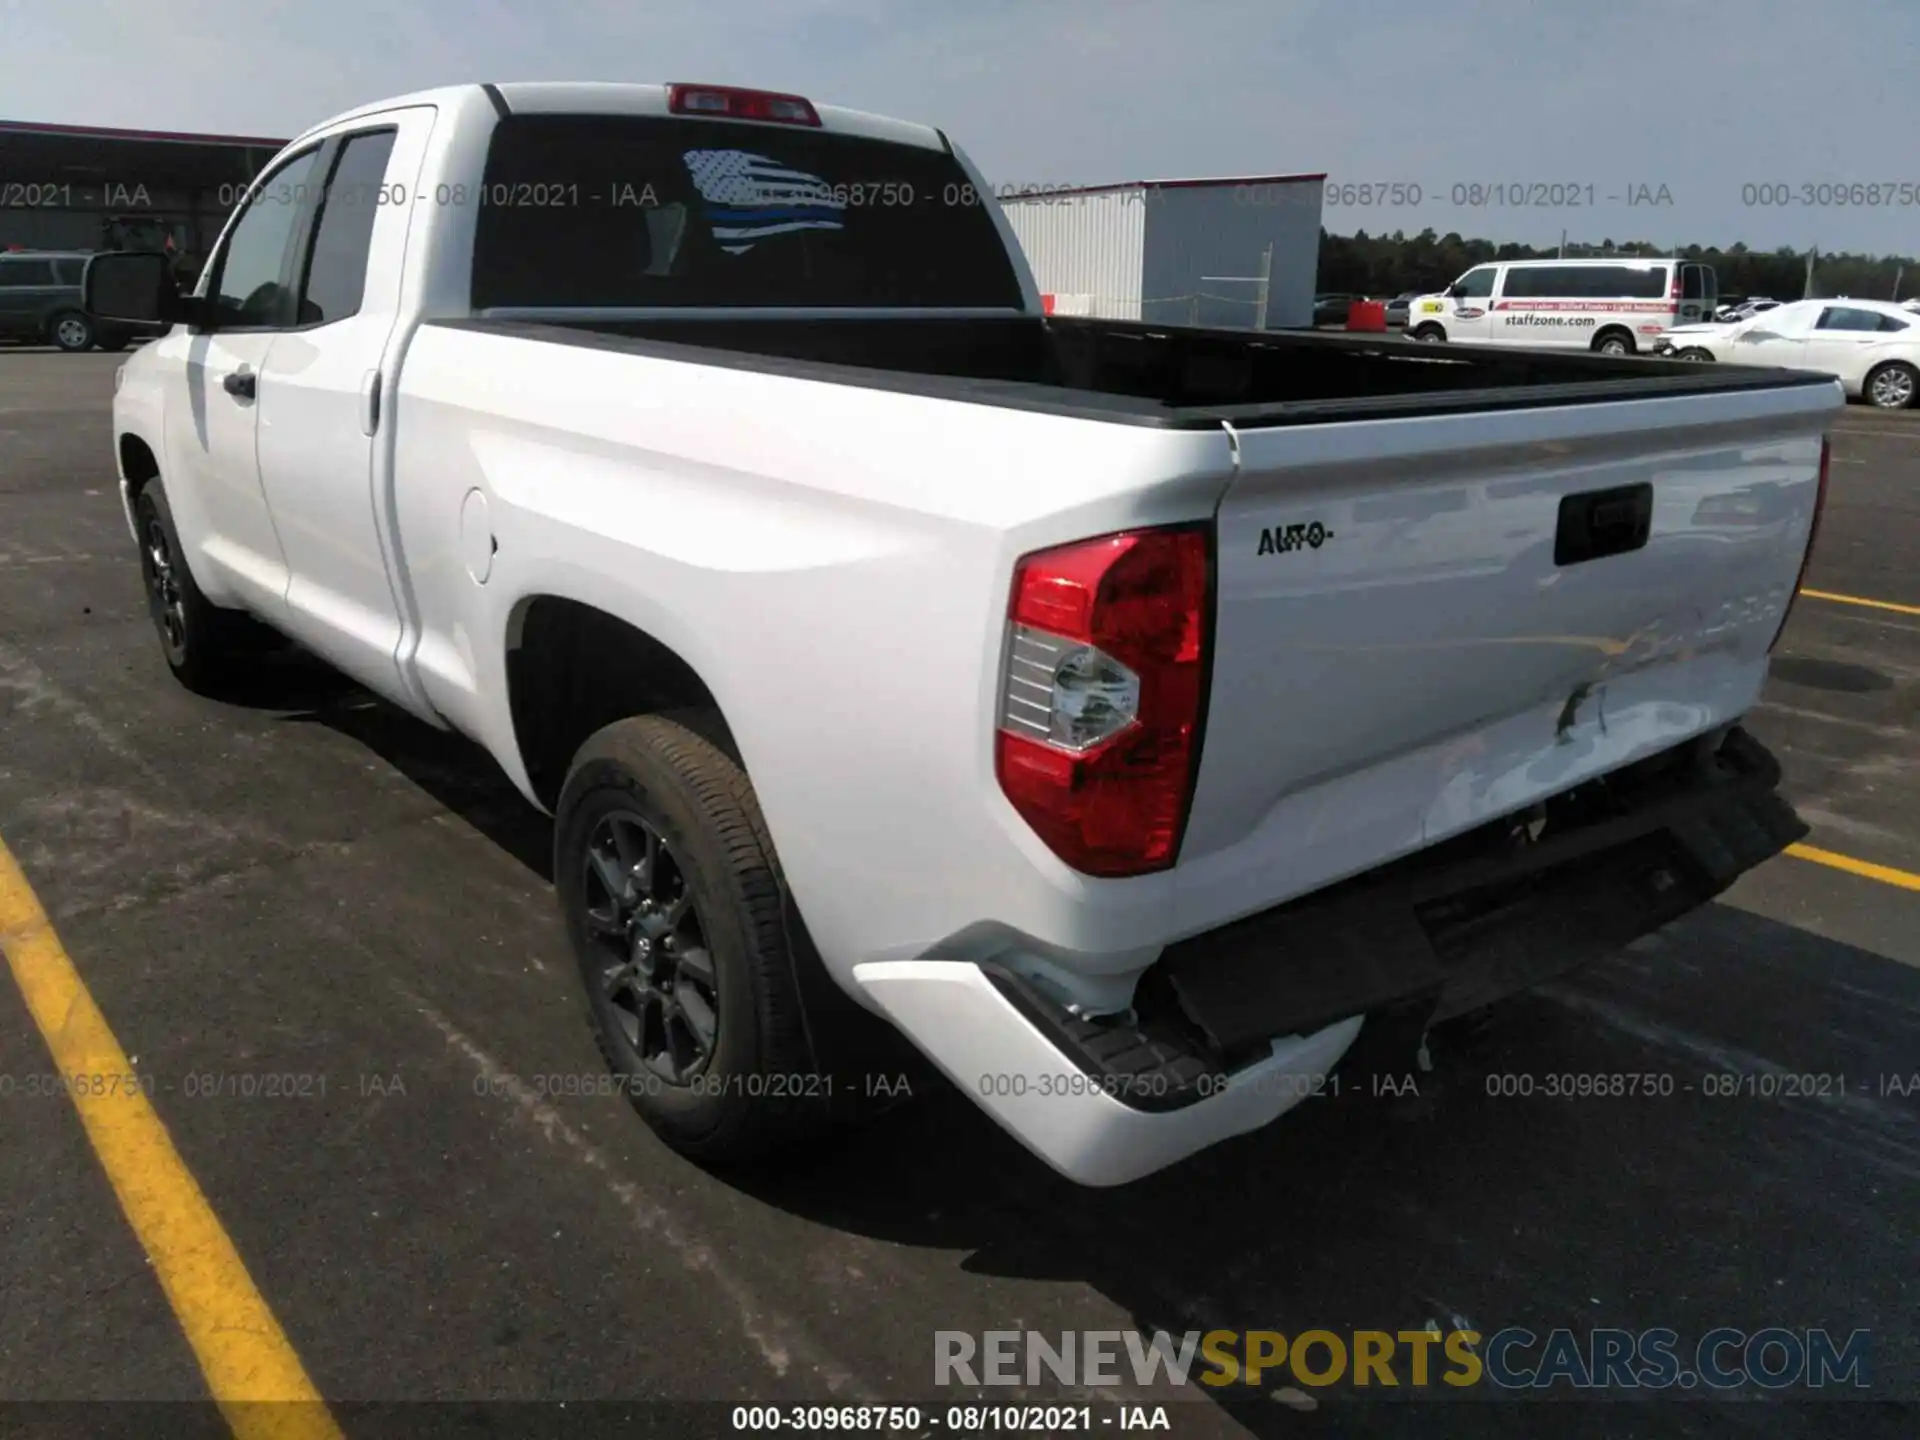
{"points": [[596, 97]]}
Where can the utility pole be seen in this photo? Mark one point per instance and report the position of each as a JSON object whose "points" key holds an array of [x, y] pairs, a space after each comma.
{"points": [[1806, 291], [1563, 246]]}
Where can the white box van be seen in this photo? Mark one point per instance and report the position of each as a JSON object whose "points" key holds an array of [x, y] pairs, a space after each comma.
{"points": [[1612, 305]]}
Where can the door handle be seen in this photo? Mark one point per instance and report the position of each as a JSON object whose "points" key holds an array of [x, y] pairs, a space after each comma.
{"points": [[242, 384]]}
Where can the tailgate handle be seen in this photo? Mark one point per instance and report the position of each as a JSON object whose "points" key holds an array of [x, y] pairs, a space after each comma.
{"points": [[1600, 523]]}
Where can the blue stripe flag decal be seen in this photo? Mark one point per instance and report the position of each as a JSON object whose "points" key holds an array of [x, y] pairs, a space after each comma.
{"points": [[751, 197]]}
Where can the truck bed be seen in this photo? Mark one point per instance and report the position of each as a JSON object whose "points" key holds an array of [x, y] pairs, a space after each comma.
{"points": [[1155, 375]]}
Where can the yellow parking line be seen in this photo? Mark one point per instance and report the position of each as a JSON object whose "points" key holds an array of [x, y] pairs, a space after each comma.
{"points": [[1885, 874], [241, 1348], [1894, 606]]}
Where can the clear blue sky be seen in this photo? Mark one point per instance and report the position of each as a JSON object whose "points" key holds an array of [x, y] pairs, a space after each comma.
{"points": [[1700, 96]]}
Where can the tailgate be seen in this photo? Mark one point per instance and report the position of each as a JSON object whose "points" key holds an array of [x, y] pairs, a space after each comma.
{"points": [[1426, 622]]}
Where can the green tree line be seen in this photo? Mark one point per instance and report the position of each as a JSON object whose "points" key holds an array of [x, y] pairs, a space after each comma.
{"points": [[1388, 265]]}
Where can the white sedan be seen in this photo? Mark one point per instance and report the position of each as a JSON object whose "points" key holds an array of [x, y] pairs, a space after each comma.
{"points": [[1871, 346]]}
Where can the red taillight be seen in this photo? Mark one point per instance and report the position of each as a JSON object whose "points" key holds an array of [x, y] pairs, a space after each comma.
{"points": [[1813, 532], [727, 103], [1101, 697]]}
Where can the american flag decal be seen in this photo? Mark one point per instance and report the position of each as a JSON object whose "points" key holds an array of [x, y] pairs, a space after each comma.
{"points": [[751, 197]]}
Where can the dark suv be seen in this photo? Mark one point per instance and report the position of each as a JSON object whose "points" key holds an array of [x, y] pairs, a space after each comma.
{"points": [[40, 302]]}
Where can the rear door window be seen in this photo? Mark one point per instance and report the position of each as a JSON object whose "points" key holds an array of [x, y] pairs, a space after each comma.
{"points": [[22, 274], [1630, 282], [343, 236], [1841, 317], [642, 211]]}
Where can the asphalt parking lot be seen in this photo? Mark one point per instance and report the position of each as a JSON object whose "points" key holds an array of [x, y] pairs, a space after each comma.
{"points": [[308, 885]]}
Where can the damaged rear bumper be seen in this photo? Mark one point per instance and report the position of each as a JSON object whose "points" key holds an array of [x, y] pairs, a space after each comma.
{"points": [[1233, 1027]]}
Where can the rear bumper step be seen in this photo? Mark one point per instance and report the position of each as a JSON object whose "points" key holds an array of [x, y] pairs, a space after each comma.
{"points": [[1445, 931]]}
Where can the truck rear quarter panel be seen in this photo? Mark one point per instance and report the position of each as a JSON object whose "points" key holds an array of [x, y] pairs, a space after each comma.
{"points": [[833, 561]]}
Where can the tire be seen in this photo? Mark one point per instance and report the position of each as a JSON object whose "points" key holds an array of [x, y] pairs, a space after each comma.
{"points": [[1694, 352], [1429, 333], [714, 1055], [71, 331], [201, 642], [1891, 386], [1614, 342]]}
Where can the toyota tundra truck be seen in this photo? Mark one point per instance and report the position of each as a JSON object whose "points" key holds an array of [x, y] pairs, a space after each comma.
{"points": [[1130, 717]]}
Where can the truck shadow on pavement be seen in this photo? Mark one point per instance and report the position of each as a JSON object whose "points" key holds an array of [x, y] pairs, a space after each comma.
{"points": [[1763, 1169], [453, 770]]}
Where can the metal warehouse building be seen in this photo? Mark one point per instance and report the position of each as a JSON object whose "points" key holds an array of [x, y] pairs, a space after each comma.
{"points": [[77, 187], [1239, 253]]}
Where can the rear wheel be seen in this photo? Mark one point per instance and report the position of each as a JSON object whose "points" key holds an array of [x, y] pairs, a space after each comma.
{"points": [[672, 900], [1891, 387], [1614, 342], [71, 331], [1694, 353]]}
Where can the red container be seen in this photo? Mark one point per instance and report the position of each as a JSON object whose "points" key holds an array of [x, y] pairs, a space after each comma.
{"points": [[1369, 315], [1046, 304]]}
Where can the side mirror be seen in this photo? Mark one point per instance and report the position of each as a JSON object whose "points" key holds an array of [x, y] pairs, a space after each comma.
{"points": [[134, 289]]}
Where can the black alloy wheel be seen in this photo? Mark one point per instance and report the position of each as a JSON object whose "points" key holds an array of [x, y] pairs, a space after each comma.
{"points": [[656, 973]]}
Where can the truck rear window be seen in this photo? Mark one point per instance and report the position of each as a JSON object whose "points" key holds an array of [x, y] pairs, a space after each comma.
{"points": [[597, 210]]}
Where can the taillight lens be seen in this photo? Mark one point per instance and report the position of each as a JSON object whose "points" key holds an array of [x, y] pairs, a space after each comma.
{"points": [[1102, 694], [1813, 532]]}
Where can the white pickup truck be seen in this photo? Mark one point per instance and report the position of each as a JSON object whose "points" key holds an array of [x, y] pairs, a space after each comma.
{"points": [[1125, 714]]}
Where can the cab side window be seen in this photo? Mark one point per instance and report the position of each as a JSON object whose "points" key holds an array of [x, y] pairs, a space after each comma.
{"points": [[249, 291], [1476, 284], [343, 233]]}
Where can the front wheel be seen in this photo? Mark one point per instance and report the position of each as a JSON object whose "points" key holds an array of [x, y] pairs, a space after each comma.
{"points": [[1430, 333], [1891, 387], [671, 896], [1614, 343], [71, 331], [1695, 353], [202, 643]]}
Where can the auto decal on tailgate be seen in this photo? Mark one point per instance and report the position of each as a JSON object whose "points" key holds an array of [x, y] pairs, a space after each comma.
{"points": [[1277, 538]]}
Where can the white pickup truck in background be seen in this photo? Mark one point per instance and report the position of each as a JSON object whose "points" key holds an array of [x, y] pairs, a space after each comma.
{"points": [[1126, 715]]}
